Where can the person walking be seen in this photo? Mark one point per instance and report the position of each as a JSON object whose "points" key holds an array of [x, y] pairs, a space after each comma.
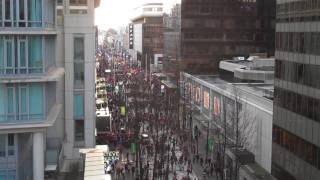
{"points": [[201, 161]]}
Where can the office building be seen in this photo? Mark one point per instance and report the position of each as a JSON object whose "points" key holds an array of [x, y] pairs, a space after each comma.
{"points": [[47, 106], [172, 42], [296, 127], [212, 30], [148, 35]]}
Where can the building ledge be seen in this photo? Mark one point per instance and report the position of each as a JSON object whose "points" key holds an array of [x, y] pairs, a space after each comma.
{"points": [[28, 31], [52, 75], [32, 126]]}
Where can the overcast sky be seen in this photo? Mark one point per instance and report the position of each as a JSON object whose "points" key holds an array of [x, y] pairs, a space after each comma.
{"points": [[116, 13]]}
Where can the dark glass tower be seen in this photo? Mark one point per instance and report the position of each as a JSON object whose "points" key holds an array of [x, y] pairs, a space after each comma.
{"points": [[212, 30], [296, 124]]}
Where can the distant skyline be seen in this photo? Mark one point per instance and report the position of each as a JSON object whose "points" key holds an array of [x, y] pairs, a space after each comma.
{"points": [[116, 13]]}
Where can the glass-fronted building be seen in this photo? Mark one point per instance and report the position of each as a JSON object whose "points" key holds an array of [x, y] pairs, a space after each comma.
{"points": [[296, 138], [46, 67]]}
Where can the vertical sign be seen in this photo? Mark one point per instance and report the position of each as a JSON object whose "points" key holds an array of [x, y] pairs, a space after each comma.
{"points": [[206, 100], [131, 36]]}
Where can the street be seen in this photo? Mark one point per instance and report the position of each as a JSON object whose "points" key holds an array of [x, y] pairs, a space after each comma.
{"points": [[146, 129]]}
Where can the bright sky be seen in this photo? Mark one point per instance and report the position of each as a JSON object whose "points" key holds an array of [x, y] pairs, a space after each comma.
{"points": [[116, 13]]}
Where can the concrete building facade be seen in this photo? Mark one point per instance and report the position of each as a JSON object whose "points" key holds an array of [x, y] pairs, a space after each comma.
{"points": [[47, 64], [296, 127]]}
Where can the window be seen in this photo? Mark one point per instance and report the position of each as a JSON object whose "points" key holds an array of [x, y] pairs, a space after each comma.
{"points": [[22, 48], [78, 48], [8, 8], [35, 13], [1, 55], [2, 145], [78, 105], [21, 102], [78, 2], [79, 130], [301, 148], [78, 75], [36, 104], [1, 14], [59, 3], [10, 100], [21, 13], [11, 147], [9, 56], [35, 54], [21, 55]]}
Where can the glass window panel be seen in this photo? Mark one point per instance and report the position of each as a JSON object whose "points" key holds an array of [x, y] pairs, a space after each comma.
{"points": [[0, 14], [78, 2], [11, 177], [10, 139], [7, 9], [78, 105], [1, 54], [23, 97], [78, 74], [79, 130], [78, 48], [17, 110], [35, 54], [10, 99], [22, 54], [21, 10], [35, 12], [2, 145], [2, 103], [36, 101], [9, 54]]}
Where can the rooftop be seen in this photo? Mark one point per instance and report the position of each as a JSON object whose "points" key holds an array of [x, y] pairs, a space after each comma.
{"points": [[260, 94]]}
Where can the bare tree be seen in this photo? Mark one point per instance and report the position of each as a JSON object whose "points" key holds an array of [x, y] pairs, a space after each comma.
{"points": [[242, 124]]}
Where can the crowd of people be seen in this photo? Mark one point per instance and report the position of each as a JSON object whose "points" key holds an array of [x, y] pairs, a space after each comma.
{"points": [[168, 150]]}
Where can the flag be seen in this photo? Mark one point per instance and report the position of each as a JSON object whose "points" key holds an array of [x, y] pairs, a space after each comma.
{"points": [[133, 148], [123, 110]]}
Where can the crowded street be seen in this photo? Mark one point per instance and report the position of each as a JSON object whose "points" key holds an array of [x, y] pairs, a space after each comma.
{"points": [[145, 128]]}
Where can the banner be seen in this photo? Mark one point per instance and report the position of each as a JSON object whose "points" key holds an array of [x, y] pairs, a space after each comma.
{"points": [[206, 100], [197, 94], [216, 107]]}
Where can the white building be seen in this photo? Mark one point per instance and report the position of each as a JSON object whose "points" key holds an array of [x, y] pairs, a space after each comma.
{"points": [[213, 100], [47, 65]]}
